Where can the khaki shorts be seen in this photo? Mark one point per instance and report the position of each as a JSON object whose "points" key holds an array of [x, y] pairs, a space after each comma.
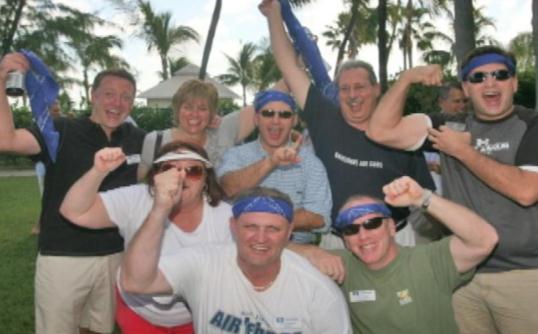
{"points": [[504, 302], [73, 292]]}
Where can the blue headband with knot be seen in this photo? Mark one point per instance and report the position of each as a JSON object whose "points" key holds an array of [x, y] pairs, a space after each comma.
{"points": [[263, 204], [488, 58], [348, 216], [272, 95]]}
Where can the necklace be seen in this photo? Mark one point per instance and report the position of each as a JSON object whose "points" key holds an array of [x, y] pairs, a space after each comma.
{"points": [[263, 287]]}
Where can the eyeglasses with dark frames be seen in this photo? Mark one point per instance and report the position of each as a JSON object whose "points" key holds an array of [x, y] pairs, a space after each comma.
{"points": [[479, 77], [192, 172], [270, 113]]}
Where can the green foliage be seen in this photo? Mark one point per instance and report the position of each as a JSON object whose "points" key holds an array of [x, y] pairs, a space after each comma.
{"points": [[22, 117], [19, 205], [525, 93], [151, 119], [421, 99], [227, 106]]}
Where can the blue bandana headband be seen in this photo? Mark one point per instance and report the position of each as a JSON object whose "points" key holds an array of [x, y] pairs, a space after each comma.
{"points": [[263, 204], [272, 95], [488, 58], [349, 215]]}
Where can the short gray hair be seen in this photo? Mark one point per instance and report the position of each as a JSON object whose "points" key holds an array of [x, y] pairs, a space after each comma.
{"points": [[352, 64]]}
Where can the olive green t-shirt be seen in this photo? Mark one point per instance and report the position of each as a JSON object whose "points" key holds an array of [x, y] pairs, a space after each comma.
{"points": [[412, 295]]}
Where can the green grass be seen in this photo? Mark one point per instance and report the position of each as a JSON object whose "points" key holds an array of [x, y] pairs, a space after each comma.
{"points": [[19, 210]]}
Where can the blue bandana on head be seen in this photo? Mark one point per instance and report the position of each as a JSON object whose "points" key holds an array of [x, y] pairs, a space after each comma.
{"points": [[348, 216], [488, 58], [263, 204], [272, 95]]}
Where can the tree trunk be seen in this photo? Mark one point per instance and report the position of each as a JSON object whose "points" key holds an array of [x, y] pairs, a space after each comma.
{"points": [[463, 28], [382, 43], [164, 65], [349, 30], [535, 46], [8, 40], [209, 40]]}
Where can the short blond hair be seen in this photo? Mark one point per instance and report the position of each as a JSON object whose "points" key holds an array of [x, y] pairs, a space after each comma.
{"points": [[195, 89]]}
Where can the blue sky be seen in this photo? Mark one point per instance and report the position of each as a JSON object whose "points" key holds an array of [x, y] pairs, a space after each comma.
{"points": [[240, 21]]}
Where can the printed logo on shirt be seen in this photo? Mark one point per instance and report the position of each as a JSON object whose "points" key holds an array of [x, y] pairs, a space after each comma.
{"points": [[248, 324], [357, 162], [359, 296], [485, 147], [404, 297]]}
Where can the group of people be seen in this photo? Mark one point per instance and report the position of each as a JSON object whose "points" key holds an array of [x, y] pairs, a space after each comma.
{"points": [[222, 237]]}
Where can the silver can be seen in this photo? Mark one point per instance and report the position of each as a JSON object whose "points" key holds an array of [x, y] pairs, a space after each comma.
{"points": [[15, 84]]}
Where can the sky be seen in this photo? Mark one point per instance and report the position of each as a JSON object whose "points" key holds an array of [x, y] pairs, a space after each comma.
{"points": [[241, 22]]}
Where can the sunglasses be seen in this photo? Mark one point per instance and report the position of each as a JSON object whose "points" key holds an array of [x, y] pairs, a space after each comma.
{"points": [[500, 75], [270, 113], [369, 224], [192, 172]]}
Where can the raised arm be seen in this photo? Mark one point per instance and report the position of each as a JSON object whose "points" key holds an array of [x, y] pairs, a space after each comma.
{"points": [[473, 239], [520, 182], [139, 271], [284, 53], [82, 204], [18, 141], [387, 125]]}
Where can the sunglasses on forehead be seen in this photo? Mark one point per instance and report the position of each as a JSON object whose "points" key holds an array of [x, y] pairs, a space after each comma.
{"points": [[270, 113], [192, 172], [478, 77], [369, 224]]}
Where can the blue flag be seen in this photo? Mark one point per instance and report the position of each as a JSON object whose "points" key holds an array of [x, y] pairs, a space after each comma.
{"points": [[42, 91], [309, 51]]}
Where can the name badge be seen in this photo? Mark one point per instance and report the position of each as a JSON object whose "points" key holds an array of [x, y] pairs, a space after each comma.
{"points": [[287, 324], [132, 159], [359, 296]]}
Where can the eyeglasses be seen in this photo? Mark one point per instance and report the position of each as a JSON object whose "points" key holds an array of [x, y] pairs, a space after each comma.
{"points": [[270, 113], [369, 224], [500, 75], [192, 172]]}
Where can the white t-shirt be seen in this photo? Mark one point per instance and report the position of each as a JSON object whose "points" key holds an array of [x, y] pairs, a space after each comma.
{"points": [[128, 208], [222, 300]]}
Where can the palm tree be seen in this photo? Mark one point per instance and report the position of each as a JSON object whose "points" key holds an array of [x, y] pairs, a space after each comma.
{"points": [[241, 69], [265, 69], [96, 52], [464, 28], [535, 46], [160, 34], [177, 64], [522, 48]]}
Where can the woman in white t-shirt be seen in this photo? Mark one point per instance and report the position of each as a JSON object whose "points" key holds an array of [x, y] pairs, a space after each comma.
{"points": [[199, 217]]}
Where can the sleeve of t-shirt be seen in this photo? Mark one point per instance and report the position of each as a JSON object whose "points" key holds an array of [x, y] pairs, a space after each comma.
{"points": [[231, 161], [318, 198], [444, 269], [527, 155], [148, 150], [119, 205], [43, 155], [184, 270], [228, 130]]}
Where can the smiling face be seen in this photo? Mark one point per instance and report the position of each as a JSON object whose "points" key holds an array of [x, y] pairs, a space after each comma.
{"points": [[275, 131], [112, 102], [358, 96], [376, 248], [260, 239], [194, 115], [492, 99]]}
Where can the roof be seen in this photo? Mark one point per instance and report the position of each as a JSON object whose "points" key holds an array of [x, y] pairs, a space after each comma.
{"points": [[166, 89]]}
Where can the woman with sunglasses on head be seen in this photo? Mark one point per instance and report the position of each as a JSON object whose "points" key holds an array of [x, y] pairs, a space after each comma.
{"points": [[181, 169], [196, 120]]}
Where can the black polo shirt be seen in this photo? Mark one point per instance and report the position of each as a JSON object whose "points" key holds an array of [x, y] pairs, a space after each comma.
{"points": [[79, 140]]}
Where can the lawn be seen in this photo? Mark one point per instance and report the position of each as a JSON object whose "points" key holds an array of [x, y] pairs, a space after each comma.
{"points": [[19, 210]]}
